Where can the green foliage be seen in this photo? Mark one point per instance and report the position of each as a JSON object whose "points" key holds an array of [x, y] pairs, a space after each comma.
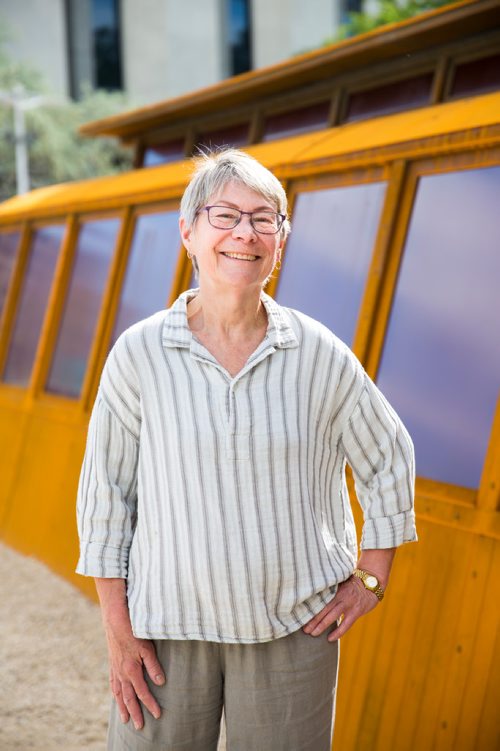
{"points": [[389, 11], [57, 153]]}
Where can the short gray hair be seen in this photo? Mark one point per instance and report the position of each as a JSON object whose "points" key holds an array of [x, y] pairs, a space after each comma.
{"points": [[214, 169]]}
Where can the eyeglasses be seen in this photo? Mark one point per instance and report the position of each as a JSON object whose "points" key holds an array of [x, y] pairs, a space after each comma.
{"points": [[225, 217]]}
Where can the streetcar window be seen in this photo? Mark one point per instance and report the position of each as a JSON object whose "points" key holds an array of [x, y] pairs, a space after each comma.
{"points": [[391, 97], [296, 121], [44, 252], [8, 246], [151, 267], [328, 254], [440, 366], [93, 253]]}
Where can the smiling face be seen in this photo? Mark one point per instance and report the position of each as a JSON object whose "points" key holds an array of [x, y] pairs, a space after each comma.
{"points": [[239, 257]]}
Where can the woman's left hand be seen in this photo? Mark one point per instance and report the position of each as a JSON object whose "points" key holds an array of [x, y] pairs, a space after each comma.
{"points": [[351, 601]]}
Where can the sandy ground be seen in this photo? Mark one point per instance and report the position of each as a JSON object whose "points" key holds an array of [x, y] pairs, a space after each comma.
{"points": [[54, 684]]}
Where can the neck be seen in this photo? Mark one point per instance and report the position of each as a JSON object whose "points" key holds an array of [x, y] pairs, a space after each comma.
{"points": [[231, 313]]}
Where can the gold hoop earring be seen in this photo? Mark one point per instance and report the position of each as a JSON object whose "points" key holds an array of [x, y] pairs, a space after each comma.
{"points": [[277, 265]]}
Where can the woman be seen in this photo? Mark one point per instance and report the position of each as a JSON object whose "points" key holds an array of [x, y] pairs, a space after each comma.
{"points": [[213, 509]]}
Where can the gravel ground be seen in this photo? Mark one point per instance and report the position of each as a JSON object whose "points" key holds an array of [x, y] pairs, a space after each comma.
{"points": [[54, 692], [54, 687]]}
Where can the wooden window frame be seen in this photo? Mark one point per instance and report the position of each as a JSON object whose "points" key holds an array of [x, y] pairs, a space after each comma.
{"points": [[14, 282], [200, 133], [112, 296], [291, 105], [468, 56], [14, 296], [397, 77], [486, 498], [393, 176], [53, 319]]}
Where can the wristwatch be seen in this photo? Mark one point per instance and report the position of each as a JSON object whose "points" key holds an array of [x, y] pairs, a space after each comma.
{"points": [[370, 582]]}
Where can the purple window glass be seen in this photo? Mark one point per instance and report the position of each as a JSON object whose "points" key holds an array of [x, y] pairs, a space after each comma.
{"points": [[93, 253], [151, 268], [8, 247], [393, 97], [476, 77], [32, 305], [296, 121], [328, 254], [440, 365], [163, 153], [236, 135]]}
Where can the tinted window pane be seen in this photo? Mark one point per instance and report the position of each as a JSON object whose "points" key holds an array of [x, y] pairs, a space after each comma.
{"points": [[106, 39], [163, 153], [151, 267], [33, 304], [240, 58], [96, 242], [348, 7], [296, 121], [477, 76], [392, 97], [328, 254], [441, 362], [237, 135], [8, 246]]}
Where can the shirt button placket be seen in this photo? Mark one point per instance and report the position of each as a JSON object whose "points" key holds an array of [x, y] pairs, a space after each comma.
{"points": [[230, 408]]}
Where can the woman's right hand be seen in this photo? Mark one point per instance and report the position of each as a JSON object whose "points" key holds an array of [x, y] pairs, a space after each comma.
{"points": [[128, 656]]}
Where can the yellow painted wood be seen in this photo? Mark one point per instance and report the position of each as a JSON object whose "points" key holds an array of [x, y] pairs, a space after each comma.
{"points": [[110, 309], [368, 309], [424, 650], [55, 306], [446, 642], [488, 735], [406, 669], [461, 664], [104, 319], [13, 292], [489, 490], [407, 588]]}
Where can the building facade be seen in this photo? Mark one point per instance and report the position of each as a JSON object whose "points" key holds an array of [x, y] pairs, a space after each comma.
{"points": [[156, 49]]}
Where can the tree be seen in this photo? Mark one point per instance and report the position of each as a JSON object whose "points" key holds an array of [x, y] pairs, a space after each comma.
{"points": [[388, 11], [57, 152]]}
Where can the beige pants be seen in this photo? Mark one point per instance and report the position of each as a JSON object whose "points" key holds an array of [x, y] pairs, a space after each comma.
{"points": [[277, 696]]}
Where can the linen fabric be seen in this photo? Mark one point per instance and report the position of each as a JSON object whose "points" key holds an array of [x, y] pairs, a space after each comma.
{"points": [[223, 500], [277, 696]]}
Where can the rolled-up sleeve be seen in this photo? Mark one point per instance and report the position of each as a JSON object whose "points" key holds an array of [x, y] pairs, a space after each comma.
{"points": [[107, 491], [380, 453]]}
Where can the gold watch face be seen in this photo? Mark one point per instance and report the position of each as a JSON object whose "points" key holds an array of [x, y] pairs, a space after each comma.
{"points": [[371, 581]]}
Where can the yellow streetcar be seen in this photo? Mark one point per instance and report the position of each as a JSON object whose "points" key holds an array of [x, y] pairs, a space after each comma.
{"points": [[391, 142]]}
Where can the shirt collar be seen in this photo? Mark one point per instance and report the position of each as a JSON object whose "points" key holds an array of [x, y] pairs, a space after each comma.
{"points": [[176, 332]]}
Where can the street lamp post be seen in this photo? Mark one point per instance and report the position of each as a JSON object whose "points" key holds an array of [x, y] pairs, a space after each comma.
{"points": [[20, 103]]}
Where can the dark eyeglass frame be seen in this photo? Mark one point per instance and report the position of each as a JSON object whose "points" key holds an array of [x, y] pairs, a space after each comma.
{"points": [[281, 218]]}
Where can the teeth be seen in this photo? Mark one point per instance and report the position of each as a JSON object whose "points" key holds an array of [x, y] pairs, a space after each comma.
{"points": [[241, 256]]}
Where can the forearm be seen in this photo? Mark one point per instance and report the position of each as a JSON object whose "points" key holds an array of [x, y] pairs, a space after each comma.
{"points": [[378, 562], [129, 656], [114, 606]]}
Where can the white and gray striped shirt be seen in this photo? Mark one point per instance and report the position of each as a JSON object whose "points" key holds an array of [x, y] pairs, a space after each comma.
{"points": [[223, 500]]}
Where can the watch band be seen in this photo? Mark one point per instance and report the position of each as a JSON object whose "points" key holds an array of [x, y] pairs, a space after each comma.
{"points": [[370, 582]]}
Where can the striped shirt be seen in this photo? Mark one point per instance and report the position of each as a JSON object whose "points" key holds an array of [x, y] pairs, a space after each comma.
{"points": [[222, 500]]}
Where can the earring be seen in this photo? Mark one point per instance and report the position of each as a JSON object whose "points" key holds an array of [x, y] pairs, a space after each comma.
{"points": [[189, 255], [277, 265]]}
